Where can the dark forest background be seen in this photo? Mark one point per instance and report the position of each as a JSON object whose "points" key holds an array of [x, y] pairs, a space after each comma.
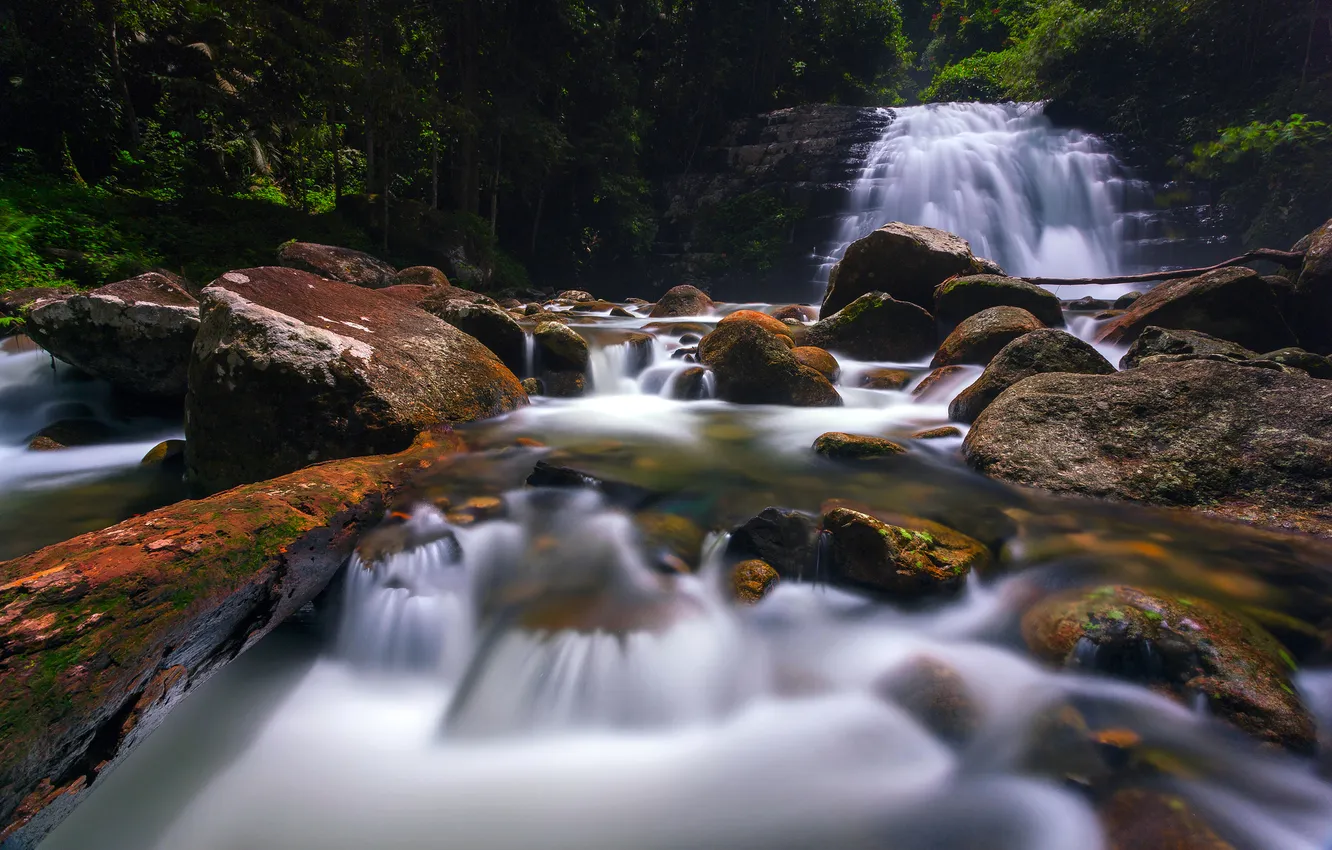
{"points": [[536, 134]]}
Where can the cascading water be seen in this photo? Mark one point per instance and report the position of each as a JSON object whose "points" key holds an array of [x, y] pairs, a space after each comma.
{"points": [[1040, 201]]}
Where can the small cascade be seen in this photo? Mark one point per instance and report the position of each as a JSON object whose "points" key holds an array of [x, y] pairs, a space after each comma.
{"points": [[529, 354], [612, 369], [1038, 200]]}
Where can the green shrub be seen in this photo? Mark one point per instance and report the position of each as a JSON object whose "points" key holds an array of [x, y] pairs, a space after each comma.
{"points": [[750, 232]]}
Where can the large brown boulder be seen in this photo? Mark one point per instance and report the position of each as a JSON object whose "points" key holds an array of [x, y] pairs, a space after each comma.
{"points": [[421, 276], [980, 337], [289, 369], [1187, 648], [344, 264], [136, 333], [876, 327], [562, 360], [1234, 304], [683, 300], [753, 366], [492, 327], [966, 296], [1313, 292], [103, 633], [905, 261], [1249, 443], [1035, 353]]}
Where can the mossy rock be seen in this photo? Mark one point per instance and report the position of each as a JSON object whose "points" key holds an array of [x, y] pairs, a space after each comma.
{"points": [[836, 445], [897, 562], [752, 580], [962, 297], [1184, 646]]}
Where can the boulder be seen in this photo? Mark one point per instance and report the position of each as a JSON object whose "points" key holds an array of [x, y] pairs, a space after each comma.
{"points": [[1252, 444], [966, 296], [886, 379], [934, 694], [1035, 353], [421, 276], [576, 295], [70, 433], [491, 326], [876, 327], [1235, 304], [1126, 300], [167, 454], [1185, 647], [409, 293], [135, 334], [1154, 341], [786, 539], [684, 300], [939, 383], [334, 263], [941, 433], [752, 580], [905, 261], [836, 445], [1088, 304], [980, 337], [796, 312], [289, 369], [753, 366], [868, 553], [763, 320], [562, 360], [690, 385], [1313, 365], [104, 633], [14, 303], [1312, 296], [819, 360]]}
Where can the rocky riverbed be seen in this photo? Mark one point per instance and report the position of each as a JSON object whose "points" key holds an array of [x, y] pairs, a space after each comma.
{"points": [[941, 485]]}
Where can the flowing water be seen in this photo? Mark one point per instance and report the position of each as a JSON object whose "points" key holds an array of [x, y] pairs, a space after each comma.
{"points": [[1039, 200], [534, 667]]}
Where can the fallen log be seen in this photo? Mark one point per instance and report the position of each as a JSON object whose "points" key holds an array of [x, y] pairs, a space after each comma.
{"points": [[100, 635], [1286, 259]]}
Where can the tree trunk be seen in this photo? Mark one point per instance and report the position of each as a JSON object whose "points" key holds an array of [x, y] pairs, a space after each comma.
{"points": [[1287, 259], [536, 221], [335, 137], [434, 172], [495, 184], [368, 106], [388, 179], [108, 9]]}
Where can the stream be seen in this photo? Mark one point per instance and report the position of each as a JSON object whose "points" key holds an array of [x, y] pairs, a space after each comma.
{"points": [[532, 670]]}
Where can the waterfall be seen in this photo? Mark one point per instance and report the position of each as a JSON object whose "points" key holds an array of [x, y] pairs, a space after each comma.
{"points": [[1040, 201]]}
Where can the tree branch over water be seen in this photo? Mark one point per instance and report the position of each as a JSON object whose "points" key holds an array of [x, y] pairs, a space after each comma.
{"points": [[1286, 259]]}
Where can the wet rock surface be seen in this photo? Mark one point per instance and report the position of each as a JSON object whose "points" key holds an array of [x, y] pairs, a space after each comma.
{"points": [[344, 264], [962, 297], [1251, 444], [490, 326], [753, 366], [289, 369], [981, 336], [868, 553], [904, 261], [836, 445], [1154, 341], [683, 300], [135, 334], [785, 539], [876, 327], [1183, 646], [1233, 304], [752, 580], [1034, 353]]}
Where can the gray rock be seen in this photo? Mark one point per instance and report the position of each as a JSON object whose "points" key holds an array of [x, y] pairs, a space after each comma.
{"points": [[1035, 353], [876, 327], [966, 296], [344, 264], [136, 333], [980, 337], [906, 261], [1155, 341], [1251, 444]]}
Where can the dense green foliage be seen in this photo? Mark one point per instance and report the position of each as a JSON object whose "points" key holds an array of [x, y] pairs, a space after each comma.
{"points": [[549, 120], [1217, 85]]}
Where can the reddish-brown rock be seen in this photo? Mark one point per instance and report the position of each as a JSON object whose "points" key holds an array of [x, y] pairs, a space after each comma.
{"points": [[335, 263], [289, 369], [684, 300]]}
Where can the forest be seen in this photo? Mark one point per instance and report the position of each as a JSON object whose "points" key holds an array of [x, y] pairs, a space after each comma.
{"points": [[199, 135]]}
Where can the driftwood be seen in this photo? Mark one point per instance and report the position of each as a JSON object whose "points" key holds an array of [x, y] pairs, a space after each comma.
{"points": [[1287, 259]]}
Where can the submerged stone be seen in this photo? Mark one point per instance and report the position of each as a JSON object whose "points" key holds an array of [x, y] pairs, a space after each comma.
{"points": [[1186, 646], [836, 445]]}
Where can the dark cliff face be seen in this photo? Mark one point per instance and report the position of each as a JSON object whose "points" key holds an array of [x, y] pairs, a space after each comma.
{"points": [[774, 183]]}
